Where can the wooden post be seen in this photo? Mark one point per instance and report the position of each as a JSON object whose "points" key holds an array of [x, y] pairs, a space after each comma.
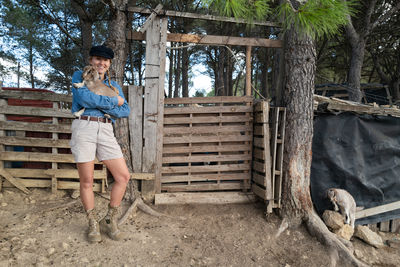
{"points": [[161, 90], [54, 150], [248, 71], [136, 126], [153, 102], [3, 102]]}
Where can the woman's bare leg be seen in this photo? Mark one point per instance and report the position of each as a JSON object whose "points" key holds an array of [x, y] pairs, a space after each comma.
{"points": [[85, 171], [121, 175]]}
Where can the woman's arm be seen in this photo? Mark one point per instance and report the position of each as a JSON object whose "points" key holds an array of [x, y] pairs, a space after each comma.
{"points": [[120, 111]]}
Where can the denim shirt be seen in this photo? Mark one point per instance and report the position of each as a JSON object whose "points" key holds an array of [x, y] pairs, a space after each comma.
{"points": [[97, 105]]}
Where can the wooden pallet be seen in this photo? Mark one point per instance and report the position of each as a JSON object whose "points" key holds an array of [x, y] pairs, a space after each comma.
{"points": [[34, 147], [207, 144], [267, 153]]}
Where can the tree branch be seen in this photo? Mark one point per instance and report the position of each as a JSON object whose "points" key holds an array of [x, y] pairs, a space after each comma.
{"points": [[385, 16]]}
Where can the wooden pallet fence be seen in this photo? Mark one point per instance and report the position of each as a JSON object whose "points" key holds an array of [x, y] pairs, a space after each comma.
{"points": [[267, 153], [35, 129], [207, 144]]}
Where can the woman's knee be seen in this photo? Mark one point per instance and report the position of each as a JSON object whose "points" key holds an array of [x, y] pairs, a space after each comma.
{"points": [[123, 178], [86, 184]]}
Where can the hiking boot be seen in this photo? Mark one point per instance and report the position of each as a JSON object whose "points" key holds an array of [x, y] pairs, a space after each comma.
{"points": [[94, 229], [109, 224]]}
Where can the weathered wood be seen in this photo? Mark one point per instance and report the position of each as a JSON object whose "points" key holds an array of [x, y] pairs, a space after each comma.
{"points": [[205, 148], [205, 187], [136, 126], [204, 198], [37, 157], [258, 191], [143, 176], [248, 70], [377, 210], [213, 39], [172, 13], [151, 18], [160, 102], [207, 168], [5, 174], [34, 142], [209, 100], [395, 226], [67, 173], [2, 133], [34, 111], [202, 139], [385, 226], [213, 158], [151, 112], [209, 129], [206, 109], [204, 177], [207, 119], [32, 95], [35, 127]]}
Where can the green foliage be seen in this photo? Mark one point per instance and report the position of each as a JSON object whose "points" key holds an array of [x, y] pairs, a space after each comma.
{"points": [[247, 9], [316, 17]]}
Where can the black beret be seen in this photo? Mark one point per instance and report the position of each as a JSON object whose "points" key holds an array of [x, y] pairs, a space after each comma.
{"points": [[101, 51]]}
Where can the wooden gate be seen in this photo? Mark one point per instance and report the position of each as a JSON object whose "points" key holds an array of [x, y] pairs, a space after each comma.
{"points": [[207, 144], [35, 128]]}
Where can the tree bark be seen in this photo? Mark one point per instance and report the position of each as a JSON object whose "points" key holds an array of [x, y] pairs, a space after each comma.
{"points": [[185, 72]]}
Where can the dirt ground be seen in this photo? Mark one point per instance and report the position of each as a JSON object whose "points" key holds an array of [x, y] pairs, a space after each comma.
{"points": [[37, 231]]}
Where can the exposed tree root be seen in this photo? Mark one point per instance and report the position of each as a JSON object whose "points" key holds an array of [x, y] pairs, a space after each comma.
{"points": [[317, 228]]}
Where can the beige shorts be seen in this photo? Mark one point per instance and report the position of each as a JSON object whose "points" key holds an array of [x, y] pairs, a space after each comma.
{"points": [[92, 138]]}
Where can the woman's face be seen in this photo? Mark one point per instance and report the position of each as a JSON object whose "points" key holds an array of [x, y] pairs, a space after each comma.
{"points": [[101, 64]]}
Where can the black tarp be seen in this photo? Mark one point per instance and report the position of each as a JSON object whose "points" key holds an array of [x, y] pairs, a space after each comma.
{"points": [[358, 153]]}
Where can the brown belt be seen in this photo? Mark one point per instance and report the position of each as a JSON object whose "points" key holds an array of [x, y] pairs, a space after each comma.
{"points": [[98, 119]]}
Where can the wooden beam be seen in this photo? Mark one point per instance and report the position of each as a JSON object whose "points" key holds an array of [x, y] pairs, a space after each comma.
{"points": [[143, 176], [377, 210], [171, 13], [32, 95], [212, 39], [204, 198], [248, 70], [151, 18], [13, 181]]}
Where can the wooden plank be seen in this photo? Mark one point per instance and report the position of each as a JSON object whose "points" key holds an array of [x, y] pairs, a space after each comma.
{"points": [[34, 111], [378, 209], [204, 198], [203, 139], [34, 142], [37, 157], [54, 151], [206, 119], [209, 100], [31, 183], [211, 158], [279, 160], [258, 191], [248, 69], [258, 142], [258, 153], [204, 187], [209, 129], [151, 18], [206, 148], [385, 226], [75, 185], [71, 173], [395, 226], [2, 133], [5, 174], [259, 179], [151, 112], [207, 168], [35, 127], [160, 103], [214, 39], [172, 13], [207, 109], [33, 95], [258, 166], [143, 176], [204, 177], [136, 126]]}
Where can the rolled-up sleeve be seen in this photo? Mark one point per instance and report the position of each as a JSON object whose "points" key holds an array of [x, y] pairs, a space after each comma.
{"points": [[120, 111]]}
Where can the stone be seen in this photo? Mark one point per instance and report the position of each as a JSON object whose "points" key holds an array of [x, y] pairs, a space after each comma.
{"points": [[345, 232], [4, 204], [75, 194], [368, 236], [50, 251], [358, 253], [394, 243], [64, 245], [334, 220]]}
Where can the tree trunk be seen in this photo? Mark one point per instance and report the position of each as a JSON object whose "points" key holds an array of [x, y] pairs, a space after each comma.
{"points": [[185, 72], [298, 99], [354, 76], [177, 72], [170, 72]]}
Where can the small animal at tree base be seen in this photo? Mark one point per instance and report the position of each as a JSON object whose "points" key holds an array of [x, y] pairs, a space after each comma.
{"points": [[343, 201]]}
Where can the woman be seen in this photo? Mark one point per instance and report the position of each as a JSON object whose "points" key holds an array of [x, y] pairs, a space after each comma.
{"points": [[92, 135]]}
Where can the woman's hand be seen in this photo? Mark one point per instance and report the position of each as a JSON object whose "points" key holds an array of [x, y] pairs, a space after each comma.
{"points": [[120, 101]]}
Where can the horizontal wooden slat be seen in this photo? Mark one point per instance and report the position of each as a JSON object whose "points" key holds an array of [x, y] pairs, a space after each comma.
{"points": [[37, 157], [207, 109], [205, 177], [66, 173], [259, 179], [35, 127], [30, 183], [208, 129], [208, 100], [32, 95], [258, 166], [260, 118], [204, 187], [258, 153], [207, 148], [258, 142], [34, 111], [210, 158], [203, 139], [34, 142], [204, 198], [259, 191], [207, 119], [206, 168]]}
